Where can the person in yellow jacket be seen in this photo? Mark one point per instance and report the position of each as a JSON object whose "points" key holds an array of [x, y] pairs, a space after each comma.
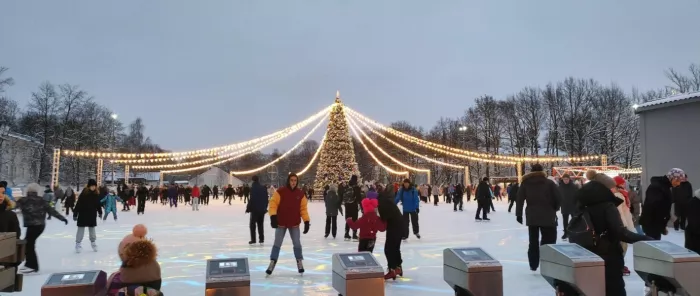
{"points": [[288, 207]]}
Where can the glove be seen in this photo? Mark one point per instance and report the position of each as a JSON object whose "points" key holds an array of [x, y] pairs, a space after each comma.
{"points": [[273, 221], [417, 210], [519, 219], [307, 225]]}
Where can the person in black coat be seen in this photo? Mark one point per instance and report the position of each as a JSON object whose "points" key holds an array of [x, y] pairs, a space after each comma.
{"points": [[512, 195], [69, 200], [656, 210], [389, 212], [352, 209], [257, 207], [86, 212], [543, 202], [567, 190], [215, 190], [600, 203], [458, 197], [141, 196], [483, 199], [681, 197], [692, 231]]}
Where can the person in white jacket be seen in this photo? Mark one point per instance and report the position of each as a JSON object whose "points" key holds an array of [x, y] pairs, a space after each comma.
{"points": [[625, 213]]}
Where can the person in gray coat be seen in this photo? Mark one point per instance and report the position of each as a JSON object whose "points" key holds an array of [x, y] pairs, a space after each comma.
{"points": [[333, 207], [567, 190]]}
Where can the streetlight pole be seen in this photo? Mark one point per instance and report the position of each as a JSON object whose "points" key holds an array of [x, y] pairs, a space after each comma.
{"points": [[114, 140]]}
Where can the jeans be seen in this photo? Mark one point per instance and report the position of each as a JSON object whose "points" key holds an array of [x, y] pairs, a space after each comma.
{"points": [[414, 222], [257, 220], [81, 233], [549, 236], [173, 202], [295, 234], [195, 204], [639, 229], [245, 198], [33, 233], [331, 225], [68, 210]]}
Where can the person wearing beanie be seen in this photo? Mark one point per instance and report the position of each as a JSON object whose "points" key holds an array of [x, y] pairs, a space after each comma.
{"points": [[351, 195], [543, 201], [390, 214], [369, 224], [141, 196], [408, 197], [483, 199], [110, 205], [334, 205], [692, 231], [140, 273], [567, 190], [681, 196], [86, 212], [656, 209], [288, 206], [257, 207]]}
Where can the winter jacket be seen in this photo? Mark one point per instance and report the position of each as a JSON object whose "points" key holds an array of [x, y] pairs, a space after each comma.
{"points": [[483, 191], [49, 196], [656, 210], [69, 198], [258, 199], [692, 232], [172, 192], [8, 219], [333, 204], [59, 194], [369, 224], [142, 193], [409, 199], [34, 210], [497, 190], [424, 191], [601, 205], [139, 267], [568, 197], [542, 197], [513, 192], [290, 207], [110, 202], [353, 207], [390, 213], [635, 206], [216, 189], [87, 208], [458, 191], [195, 192], [624, 211], [681, 197]]}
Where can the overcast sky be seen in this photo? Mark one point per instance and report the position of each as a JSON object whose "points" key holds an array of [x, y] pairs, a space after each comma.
{"points": [[205, 73]]}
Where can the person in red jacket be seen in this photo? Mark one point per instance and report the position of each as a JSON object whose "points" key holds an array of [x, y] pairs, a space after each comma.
{"points": [[369, 225], [195, 198], [287, 210]]}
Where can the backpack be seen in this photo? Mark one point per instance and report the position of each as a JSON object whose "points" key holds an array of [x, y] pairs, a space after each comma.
{"points": [[349, 195], [582, 233]]}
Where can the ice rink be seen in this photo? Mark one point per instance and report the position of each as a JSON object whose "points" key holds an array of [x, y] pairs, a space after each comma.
{"points": [[186, 239]]}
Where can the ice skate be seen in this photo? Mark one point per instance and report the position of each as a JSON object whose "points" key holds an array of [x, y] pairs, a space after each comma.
{"points": [[94, 246], [261, 243], [626, 271], [78, 248], [399, 271], [417, 236], [325, 236], [300, 265], [28, 271], [355, 238], [271, 267], [487, 220], [477, 219], [347, 237], [252, 243], [390, 275]]}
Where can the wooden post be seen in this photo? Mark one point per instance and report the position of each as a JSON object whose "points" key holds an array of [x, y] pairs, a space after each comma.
{"points": [[100, 166], [160, 179], [126, 174], [519, 171], [467, 180], [56, 167], [429, 177], [604, 160]]}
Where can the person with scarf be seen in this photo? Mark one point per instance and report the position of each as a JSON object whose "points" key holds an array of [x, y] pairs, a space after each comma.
{"points": [[288, 207]]}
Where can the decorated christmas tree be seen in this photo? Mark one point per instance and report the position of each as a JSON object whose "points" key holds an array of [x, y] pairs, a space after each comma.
{"points": [[337, 160]]}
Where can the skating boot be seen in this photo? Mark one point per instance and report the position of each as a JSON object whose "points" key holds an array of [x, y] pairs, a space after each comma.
{"points": [[355, 238], [271, 267], [94, 246], [262, 242], [487, 220], [399, 271], [347, 237], [625, 271], [390, 275], [418, 235], [300, 266], [252, 243], [478, 219], [78, 248], [404, 239], [325, 236]]}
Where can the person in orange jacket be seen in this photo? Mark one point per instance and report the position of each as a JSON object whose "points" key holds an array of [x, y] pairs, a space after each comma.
{"points": [[288, 207]]}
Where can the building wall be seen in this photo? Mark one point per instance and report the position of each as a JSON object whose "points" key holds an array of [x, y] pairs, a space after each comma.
{"points": [[19, 161], [670, 138]]}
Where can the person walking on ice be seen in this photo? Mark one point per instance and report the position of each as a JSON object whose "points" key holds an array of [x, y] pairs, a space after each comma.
{"points": [[86, 211], [110, 203], [195, 198], [287, 209]]}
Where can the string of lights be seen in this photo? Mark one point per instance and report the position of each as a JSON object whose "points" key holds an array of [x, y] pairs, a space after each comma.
{"points": [[353, 124], [477, 155], [252, 171], [287, 132], [443, 151], [390, 170], [409, 150], [243, 153], [175, 156], [318, 151]]}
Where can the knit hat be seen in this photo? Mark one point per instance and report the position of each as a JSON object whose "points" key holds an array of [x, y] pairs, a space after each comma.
{"points": [[368, 205], [92, 182], [675, 173], [619, 181], [605, 180], [566, 176], [137, 233], [372, 194]]}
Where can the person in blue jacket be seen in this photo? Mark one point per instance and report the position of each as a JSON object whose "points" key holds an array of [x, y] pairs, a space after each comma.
{"points": [[408, 196], [7, 189], [110, 204]]}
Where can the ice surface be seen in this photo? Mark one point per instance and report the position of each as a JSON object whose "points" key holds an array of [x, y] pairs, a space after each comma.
{"points": [[186, 239]]}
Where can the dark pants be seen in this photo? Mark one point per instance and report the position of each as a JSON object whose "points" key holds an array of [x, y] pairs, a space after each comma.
{"points": [[653, 233], [331, 225], [257, 220], [68, 209], [33, 233], [246, 198], [436, 199], [680, 222], [125, 205], [510, 205], [392, 248], [216, 195], [141, 207], [491, 203], [205, 200], [366, 245], [565, 220], [469, 197], [413, 216], [482, 205], [549, 236], [173, 202], [458, 202], [353, 215]]}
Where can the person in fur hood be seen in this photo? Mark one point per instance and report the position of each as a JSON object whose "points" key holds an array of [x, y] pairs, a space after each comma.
{"points": [[692, 231], [139, 273], [543, 201]]}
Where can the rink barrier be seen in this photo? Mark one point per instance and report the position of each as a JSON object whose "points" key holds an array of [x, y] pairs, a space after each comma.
{"points": [[11, 251], [471, 271], [84, 283]]}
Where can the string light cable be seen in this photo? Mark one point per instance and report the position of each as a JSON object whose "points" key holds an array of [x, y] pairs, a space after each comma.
{"points": [[436, 149], [473, 153], [390, 170], [170, 156], [352, 122], [279, 136], [248, 172], [409, 150], [259, 147], [318, 151]]}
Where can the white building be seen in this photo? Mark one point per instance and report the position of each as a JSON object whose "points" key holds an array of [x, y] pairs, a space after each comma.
{"points": [[19, 158], [215, 176]]}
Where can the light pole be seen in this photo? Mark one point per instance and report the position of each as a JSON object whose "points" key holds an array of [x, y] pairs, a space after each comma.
{"points": [[462, 136], [114, 140]]}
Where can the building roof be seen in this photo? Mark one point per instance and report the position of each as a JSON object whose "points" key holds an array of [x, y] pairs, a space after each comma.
{"points": [[674, 100], [24, 138]]}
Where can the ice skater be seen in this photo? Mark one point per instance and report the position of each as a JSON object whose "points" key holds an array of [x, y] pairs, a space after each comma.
{"points": [[110, 204], [195, 198], [86, 211], [172, 195], [369, 224], [408, 196]]}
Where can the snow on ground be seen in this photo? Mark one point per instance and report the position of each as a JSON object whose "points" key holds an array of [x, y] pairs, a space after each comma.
{"points": [[187, 239]]}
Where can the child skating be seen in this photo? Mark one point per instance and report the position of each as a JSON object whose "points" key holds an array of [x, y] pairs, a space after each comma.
{"points": [[369, 224], [110, 203]]}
